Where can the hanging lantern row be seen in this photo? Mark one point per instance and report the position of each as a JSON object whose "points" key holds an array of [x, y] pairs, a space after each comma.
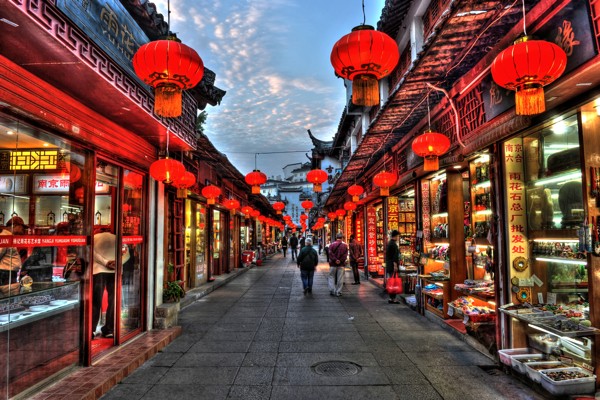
{"points": [[169, 67], [279, 207], [364, 56], [255, 179], [349, 206], [384, 180], [431, 145], [232, 205], [317, 177], [332, 215], [340, 213], [526, 67]]}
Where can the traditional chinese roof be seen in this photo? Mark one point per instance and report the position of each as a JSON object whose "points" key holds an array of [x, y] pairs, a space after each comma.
{"points": [[392, 16], [459, 40], [321, 146], [155, 27]]}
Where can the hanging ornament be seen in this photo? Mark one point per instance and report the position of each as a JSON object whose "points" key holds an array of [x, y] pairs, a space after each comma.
{"points": [[165, 169], [247, 210], [526, 67], [355, 191], [430, 145], [349, 206], [231, 205], [211, 192], [255, 179], [307, 205], [279, 207], [364, 56], [183, 182], [317, 177], [331, 215], [384, 180], [169, 67], [340, 213]]}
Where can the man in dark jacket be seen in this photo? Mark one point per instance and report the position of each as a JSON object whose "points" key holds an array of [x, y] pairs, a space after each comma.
{"points": [[294, 246], [392, 259], [302, 242], [284, 245], [308, 259], [355, 254], [338, 253]]}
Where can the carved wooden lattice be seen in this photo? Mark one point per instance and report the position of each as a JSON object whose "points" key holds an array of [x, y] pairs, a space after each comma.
{"points": [[595, 8], [432, 14], [471, 110]]}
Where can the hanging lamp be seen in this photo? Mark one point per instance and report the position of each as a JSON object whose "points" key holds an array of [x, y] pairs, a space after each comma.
{"points": [[183, 182], [526, 67], [317, 177], [355, 191], [169, 67], [430, 145], [166, 169], [349, 206], [211, 192], [279, 206], [384, 180], [232, 205], [307, 205]]}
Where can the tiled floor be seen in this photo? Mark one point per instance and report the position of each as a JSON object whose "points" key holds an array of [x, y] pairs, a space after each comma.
{"points": [[91, 383]]}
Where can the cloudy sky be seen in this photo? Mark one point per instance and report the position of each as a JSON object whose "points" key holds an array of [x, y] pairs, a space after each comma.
{"points": [[272, 58]]}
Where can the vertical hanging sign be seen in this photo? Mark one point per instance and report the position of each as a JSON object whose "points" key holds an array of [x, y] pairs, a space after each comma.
{"points": [[372, 236], [348, 226], [515, 200], [359, 232], [393, 217], [426, 212]]}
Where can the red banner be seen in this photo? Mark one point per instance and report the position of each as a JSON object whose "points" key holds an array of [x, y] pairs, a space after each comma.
{"points": [[41, 241], [133, 239]]}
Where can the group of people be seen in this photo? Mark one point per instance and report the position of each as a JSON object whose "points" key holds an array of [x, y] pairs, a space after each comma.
{"points": [[338, 253]]}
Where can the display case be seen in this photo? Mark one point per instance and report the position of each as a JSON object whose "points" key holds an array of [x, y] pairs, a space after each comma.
{"points": [[39, 333]]}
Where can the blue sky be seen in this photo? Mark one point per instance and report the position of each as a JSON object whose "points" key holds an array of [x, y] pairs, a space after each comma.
{"points": [[272, 58]]}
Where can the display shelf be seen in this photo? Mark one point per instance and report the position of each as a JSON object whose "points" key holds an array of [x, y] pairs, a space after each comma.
{"points": [[443, 297], [542, 323], [434, 310]]}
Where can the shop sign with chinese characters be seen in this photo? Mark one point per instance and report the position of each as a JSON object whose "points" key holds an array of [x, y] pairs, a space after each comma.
{"points": [[359, 228], [372, 236], [393, 216], [515, 200], [426, 211]]}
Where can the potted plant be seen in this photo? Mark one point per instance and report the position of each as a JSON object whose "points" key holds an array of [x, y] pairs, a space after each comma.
{"points": [[173, 290]]}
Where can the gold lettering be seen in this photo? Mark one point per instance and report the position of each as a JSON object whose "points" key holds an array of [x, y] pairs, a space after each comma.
{"points": [[565, 38]]}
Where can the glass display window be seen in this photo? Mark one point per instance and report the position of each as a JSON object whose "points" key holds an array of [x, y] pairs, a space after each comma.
{"points": [[438, 190]]}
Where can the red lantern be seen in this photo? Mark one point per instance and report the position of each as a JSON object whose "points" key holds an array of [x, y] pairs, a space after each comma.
{"points": [[355, 191], [384, 180], [133, 180], [331, 215], [340, 213], [526, 67], [317, 177], [247, 210], [211, 192], [279, 207], [231, 205], [431, 145], [255, 213], [364, 56], [182, 182], [349, 206], [165, 169], [307, 205], [303, 217], [255, 179], [169, 67]]}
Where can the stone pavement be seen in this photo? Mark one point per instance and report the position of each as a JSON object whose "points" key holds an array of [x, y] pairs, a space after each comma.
{"points": [[260, 337]]}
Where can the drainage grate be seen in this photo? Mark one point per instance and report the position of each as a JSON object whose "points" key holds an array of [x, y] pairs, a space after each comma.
{"points": [[336, 368], [493, 370]]}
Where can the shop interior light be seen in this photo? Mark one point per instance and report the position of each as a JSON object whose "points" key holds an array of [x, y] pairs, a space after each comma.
{"points": [[561, 261], [439, 177], [410, 193], [556, 240], [484, 158], [440, 215], [483, 212], [561, 178], [483, 185]]}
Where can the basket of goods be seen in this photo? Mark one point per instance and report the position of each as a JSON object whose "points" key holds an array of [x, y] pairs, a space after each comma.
{"points": [[533, 368], [564, 381], [506, 355], [519, 361]]}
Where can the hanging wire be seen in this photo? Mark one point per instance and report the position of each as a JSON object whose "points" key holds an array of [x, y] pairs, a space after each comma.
{"points": [[168, 141], [364, 17], [168, 17], [524, 24], [428, 112]]}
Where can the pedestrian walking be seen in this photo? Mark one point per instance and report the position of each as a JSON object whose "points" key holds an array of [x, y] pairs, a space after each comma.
{"points": [[320, 245], [302, 242], [284, 245], [338, 253], [355, 254], [294, 246], [308, 259], [392, 260]]}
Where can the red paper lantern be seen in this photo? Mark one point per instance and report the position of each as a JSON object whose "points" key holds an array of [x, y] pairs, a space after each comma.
{"points": [[184, 180], [355, 191], [255, 213], [430, 145], [279, 207], [133, 180], [331, 215], [526, 67], [341, 213], [255, 179], [317, 177], [303, 217], [307, 205], [211, 192], [169, 67], [349, 206], [247, 210], [364, 56], [231, 205], [384, 180], [165, 169]]}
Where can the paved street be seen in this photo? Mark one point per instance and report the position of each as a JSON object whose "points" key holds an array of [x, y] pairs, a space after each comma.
{"points": [[259, 337]]}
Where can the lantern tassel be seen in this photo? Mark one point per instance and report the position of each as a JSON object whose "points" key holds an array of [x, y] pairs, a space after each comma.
{"points": [[167, 101], [530, 101], [355, 199], [317, 187], [431, 163], [384, 191], [255, 189], [182, 193], [365, 90]]}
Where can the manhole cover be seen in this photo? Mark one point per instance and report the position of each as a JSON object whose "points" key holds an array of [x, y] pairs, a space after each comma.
{"points": [[336, 368]]}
